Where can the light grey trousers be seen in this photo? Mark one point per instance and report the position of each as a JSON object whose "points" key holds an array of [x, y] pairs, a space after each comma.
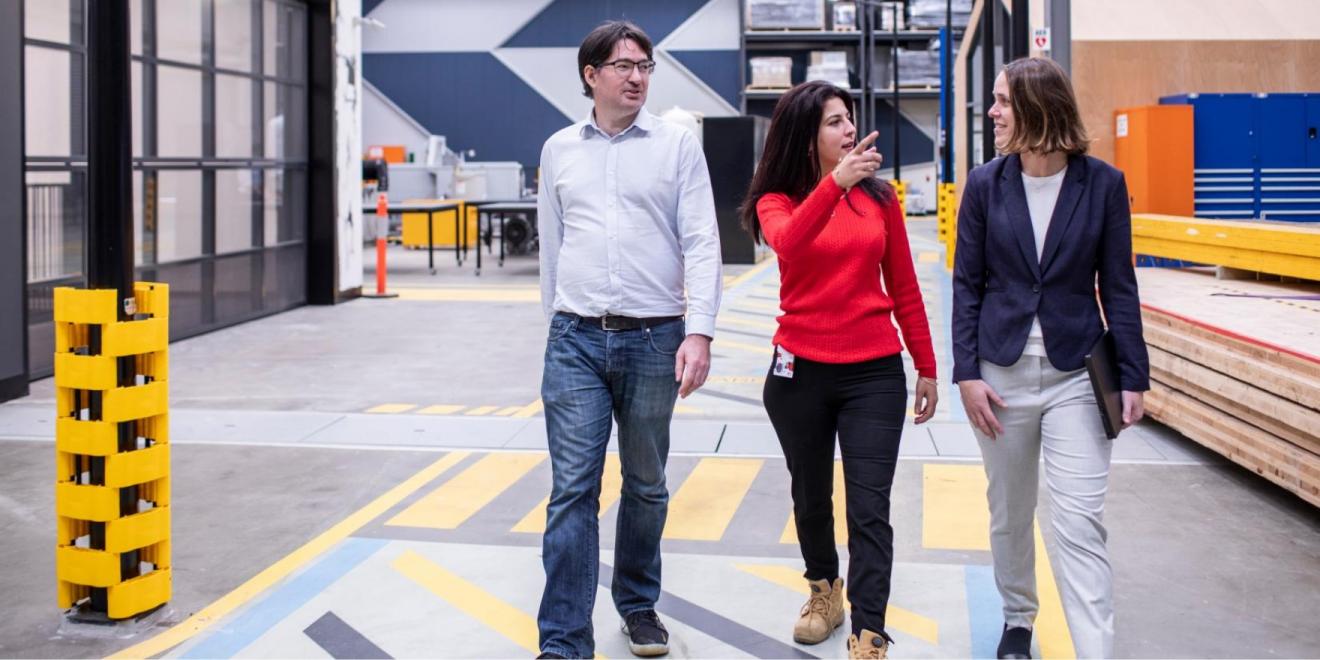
{"points": [[1053, 413]]}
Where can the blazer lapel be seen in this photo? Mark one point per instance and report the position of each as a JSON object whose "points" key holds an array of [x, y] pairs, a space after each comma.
{"points": [[1074, 182], [1015, 204]]}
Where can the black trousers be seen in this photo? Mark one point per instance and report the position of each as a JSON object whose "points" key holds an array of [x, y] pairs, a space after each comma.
{"points": [[864, 404]]}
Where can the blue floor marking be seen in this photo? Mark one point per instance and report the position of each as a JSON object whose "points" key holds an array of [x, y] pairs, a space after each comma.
{"points": [[228, 641]]}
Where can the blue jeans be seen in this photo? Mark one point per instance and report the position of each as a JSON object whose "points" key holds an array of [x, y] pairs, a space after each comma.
{"points": [[590, 376]]}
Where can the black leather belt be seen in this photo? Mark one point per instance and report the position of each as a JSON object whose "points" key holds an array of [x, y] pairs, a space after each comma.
{"points": [[613, 323]]}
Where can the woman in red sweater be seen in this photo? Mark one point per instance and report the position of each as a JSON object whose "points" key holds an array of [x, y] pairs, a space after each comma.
{"points": [[845, 270]]}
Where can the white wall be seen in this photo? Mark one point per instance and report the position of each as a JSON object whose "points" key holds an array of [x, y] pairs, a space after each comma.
{"points": [[1195, 20]]}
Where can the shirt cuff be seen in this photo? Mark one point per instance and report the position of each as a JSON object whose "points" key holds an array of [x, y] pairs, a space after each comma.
{"points": [[701, 324]]}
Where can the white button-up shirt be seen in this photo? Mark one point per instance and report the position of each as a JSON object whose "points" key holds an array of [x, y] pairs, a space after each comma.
{"points": [[627, 224]]}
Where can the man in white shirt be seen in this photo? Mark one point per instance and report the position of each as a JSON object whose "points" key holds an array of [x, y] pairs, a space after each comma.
{"points": [[629, 243]]}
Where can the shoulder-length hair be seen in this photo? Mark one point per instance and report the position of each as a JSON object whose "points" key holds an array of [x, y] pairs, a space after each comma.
{"points": [[789, 163], [1045, 115]]}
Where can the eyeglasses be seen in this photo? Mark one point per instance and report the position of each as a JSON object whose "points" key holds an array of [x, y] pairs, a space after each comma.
{"points": [[625, 67]]}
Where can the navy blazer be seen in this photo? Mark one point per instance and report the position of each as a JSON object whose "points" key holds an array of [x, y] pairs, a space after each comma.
{"points": [[999, 287]]}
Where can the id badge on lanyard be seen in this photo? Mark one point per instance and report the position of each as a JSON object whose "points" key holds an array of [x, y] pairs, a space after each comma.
{"points": [[783, 363]]}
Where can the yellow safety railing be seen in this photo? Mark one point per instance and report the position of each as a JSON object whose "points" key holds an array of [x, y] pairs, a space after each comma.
{"points": [[105, 538], [1278, 248]]}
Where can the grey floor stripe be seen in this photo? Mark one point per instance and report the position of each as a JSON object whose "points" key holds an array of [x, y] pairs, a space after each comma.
{"points": [[759, 297], [730, 397], [340, 640], [758, 335], [730, 632], [754, 312]]}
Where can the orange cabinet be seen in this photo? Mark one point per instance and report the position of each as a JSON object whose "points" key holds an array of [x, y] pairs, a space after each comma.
{"points": [[1153, 147]]}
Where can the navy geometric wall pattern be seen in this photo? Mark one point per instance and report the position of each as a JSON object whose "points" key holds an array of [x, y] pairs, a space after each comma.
{"points": [[500, 76]]}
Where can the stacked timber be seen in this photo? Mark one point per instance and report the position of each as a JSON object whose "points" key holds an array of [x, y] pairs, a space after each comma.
{"points": [[1235, 366]]}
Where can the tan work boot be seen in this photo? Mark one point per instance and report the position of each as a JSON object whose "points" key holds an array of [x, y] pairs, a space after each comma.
{"points": [[822, 613], [870, 645]]}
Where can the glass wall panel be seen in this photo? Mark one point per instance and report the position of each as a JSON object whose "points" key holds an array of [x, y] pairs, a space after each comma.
{"points": [[48, 20], [234, 209], [178, 112], [55, 224], [233, 34], [179, 31], [48, 104], [233, 116], [179, 209]]}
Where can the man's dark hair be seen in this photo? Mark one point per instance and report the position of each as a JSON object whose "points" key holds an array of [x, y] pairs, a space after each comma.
{"points": [[598, 45]]}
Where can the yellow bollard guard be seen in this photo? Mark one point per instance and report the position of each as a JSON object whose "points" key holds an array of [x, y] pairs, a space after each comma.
{"points": [[112, 550], [900, 188]]}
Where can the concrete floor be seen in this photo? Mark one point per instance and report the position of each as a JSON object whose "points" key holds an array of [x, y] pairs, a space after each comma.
{"points": [[285, 427]]}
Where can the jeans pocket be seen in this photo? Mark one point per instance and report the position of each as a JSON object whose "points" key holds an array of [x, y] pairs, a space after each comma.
{"points": [[666, 338], [560, 325]]}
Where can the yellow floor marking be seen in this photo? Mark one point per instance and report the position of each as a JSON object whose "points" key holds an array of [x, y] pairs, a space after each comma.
{"points": [[530, 409], [291, 562], [737, 380], [482, 410], [746, 323], [763, 349], [440, 410], [610, 483], [505, 412], [514, 624], [928, 257], [955, 516], [705, 503], [760, 304], [680, 409], [750, 273], [954, 513], [1051, 627], [458, 499], [391, 408], [896, 618], [840, 513], [525, 294]]}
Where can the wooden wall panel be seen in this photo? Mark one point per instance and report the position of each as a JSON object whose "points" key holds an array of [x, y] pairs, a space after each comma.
{"points": [[1115, 74]]}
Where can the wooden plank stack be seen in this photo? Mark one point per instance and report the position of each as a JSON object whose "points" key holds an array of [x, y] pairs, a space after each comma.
{"points": [[1254, 402]]}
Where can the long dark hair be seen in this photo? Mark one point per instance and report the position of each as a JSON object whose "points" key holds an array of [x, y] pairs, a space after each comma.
{"points": [[789, 163]]}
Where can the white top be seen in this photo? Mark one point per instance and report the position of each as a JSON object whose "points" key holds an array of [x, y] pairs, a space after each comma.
{"points": [[627, 224], [1042, 193]]}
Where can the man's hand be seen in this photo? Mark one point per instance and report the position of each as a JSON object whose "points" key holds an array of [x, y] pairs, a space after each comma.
{"points": [[927, 396], [692, 364], [1134, 408], [977, 397]]}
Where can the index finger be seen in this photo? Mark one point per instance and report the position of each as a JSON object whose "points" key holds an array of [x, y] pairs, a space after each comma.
{"points": [[866, 142]]}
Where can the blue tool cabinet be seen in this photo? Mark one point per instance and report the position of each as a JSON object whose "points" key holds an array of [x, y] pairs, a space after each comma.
{"points": [[1256, 155]]}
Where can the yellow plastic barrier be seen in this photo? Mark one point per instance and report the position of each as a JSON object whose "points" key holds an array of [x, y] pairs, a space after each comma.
{"points": [[947, 213], [900, 188], [100, 531]]}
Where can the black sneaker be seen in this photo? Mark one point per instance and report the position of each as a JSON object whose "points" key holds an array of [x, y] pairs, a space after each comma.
{"points": [[1015, 643], [550, 655], [647, 637]]}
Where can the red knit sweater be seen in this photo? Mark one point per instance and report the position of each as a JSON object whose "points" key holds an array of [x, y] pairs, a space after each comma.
{"points": [[835, 309]]}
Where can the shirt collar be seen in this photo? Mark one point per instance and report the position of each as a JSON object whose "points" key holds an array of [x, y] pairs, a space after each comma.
{"points": [[645, 122]]}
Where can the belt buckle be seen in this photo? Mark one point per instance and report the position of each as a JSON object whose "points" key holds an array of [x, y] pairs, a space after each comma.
{"points": [[605, 323]]}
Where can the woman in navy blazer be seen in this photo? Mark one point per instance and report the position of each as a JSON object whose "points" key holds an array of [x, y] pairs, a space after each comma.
{"points": [[1040, 228]]}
